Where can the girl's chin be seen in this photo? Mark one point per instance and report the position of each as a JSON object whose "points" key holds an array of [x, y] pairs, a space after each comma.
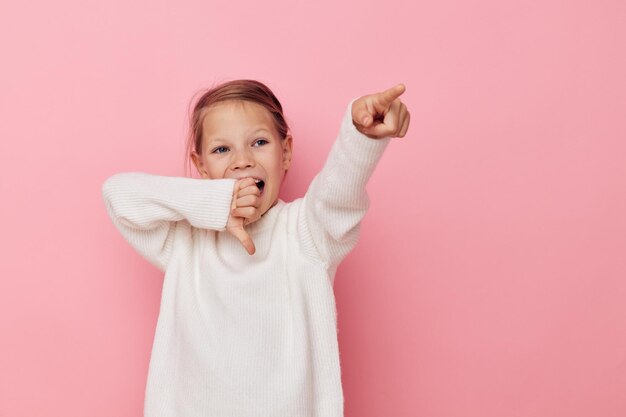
{"points": [[267, 208]]}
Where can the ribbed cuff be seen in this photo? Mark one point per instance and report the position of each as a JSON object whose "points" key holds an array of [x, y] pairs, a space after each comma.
{"points": [[363, 150], [211, 209]]}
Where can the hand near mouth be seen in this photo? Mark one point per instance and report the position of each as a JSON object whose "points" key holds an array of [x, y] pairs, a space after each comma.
{"points": [[244, 210]]}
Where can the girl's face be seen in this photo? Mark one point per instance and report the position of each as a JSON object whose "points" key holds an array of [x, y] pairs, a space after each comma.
{"points": [[239, 140]]}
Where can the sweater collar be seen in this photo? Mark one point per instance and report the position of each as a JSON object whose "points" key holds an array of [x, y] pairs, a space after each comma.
{"points": [[268, 219]]}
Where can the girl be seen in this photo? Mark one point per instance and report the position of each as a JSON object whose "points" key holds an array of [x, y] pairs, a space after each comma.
{"points": [[247, 323]]}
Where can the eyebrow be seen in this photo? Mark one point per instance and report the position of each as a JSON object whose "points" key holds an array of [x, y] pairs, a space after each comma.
{"points": [[261, 129]]}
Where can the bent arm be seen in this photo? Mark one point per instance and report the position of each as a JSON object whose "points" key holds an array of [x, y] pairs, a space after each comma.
{"points": [[337, 200], [146, 209]]}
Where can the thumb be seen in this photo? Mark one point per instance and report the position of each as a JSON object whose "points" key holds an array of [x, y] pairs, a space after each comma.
{"points": [[361, 113], [245, 239]]}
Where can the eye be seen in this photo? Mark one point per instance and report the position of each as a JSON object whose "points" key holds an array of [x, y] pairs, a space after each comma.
{"points": [[218, 148], [261, 140]]}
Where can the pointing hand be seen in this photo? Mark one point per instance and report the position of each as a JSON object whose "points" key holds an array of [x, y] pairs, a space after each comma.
{"points": [[381, 115]]}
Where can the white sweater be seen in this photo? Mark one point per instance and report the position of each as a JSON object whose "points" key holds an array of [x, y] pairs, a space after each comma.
{"points": [[238, 334]]}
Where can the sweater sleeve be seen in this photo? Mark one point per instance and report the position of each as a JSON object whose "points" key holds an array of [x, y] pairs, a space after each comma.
{"points": [[337, 200], [146, 209]]}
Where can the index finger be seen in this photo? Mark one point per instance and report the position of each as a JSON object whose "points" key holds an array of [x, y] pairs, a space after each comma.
{"points": [[392, 93], [245, 182]]}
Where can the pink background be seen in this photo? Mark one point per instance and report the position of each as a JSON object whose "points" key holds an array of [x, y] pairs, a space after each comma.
{"points": [[490, 279]]}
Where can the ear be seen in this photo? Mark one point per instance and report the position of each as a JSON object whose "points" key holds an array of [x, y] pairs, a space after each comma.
{"points": [[197, 161], [287, 151]]}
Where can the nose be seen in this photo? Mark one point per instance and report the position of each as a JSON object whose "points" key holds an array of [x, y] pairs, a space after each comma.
{"points": [[242, 160]]}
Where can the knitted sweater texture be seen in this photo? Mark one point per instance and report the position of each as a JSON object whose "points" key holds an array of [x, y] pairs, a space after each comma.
{"points": [[242, 335]]}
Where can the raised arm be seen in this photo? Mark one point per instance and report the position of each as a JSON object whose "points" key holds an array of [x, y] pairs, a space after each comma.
{"points": [[337, 200], [147, 208]]}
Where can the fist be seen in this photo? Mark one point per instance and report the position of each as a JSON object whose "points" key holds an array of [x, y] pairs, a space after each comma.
{"points": [[244, 210], [381, 115]]}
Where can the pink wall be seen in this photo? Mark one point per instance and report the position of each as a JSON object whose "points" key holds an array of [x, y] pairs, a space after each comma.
{"points": [[491, 275]]}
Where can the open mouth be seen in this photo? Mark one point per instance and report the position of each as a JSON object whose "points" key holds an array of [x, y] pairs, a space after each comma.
{"points": [[260, 184]]}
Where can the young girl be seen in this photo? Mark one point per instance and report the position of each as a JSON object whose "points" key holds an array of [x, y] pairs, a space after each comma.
{"points": [[247, 323]]}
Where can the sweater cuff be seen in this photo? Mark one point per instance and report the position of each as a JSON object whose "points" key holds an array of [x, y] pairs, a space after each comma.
{"points": [[211, 210], [363, 150]]}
